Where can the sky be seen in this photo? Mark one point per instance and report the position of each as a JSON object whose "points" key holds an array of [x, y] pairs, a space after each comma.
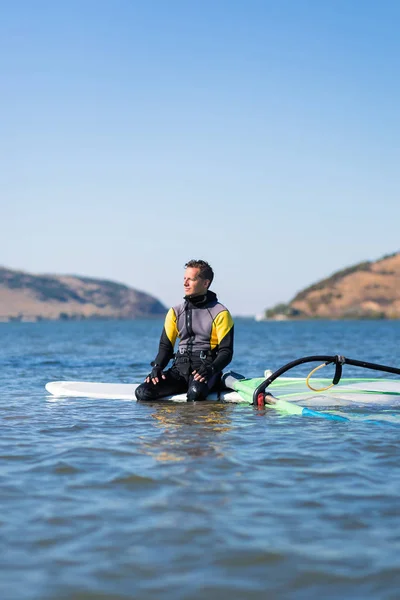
{"points": [[259, 135]]}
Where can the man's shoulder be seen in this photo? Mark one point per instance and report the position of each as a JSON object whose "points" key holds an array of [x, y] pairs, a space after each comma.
{"points": [[178, 308], [217, 307]]}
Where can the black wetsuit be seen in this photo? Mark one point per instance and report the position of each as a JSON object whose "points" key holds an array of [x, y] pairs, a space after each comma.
{"points": [[204, 327]]}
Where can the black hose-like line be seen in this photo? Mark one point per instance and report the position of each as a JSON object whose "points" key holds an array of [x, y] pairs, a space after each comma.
{"points": [[338, 360]]}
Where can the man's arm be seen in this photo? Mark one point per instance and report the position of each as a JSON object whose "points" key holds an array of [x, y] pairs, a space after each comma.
{"points": [[224, 330], [167, 340]]}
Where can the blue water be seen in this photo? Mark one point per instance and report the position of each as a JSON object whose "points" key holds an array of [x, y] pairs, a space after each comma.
{"points": [[116, 500]]}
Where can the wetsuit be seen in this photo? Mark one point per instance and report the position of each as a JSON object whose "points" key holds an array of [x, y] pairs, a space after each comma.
{"points": [[204, 327]]}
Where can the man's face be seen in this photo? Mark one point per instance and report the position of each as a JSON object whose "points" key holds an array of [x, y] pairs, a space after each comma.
{"points": [[193, 284]]}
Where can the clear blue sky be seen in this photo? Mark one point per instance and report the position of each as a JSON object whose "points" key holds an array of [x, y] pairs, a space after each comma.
{"points": [[262, 136]]}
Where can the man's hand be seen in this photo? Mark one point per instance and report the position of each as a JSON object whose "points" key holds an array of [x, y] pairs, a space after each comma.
{"points": [[155, 375], [203, 373]]}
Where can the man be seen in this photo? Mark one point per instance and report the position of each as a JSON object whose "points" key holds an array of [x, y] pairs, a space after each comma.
{"points": [[205, 331]]}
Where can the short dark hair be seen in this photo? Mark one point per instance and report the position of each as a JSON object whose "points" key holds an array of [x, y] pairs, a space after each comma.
{"points": [[205, 269]]}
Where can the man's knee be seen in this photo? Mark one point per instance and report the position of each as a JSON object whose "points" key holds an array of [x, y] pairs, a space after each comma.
{"points": [[197, 391], [144, 392]]}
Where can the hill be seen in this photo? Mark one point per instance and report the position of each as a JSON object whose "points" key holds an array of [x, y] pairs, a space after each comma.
{"points": [[368, 290], [28, 297]]}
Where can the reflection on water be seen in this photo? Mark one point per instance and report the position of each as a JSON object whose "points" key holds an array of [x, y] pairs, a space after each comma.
{"points": [[189, 430]]}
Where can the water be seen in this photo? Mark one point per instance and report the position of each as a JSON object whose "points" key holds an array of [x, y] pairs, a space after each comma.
{"points": [[115, 500]]}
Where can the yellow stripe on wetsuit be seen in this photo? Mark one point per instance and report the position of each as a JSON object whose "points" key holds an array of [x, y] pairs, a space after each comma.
{"points": [[222, 324], [170, 326]]}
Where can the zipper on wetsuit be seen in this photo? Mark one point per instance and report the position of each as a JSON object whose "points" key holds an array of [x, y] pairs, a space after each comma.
{"points": [[190, 331]]}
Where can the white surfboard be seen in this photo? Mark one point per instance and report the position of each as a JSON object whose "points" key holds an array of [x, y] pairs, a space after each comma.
{"points": [[120, 391]]}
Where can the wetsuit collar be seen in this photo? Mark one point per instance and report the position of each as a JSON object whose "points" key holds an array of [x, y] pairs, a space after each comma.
{"points": [[202, 299]]}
